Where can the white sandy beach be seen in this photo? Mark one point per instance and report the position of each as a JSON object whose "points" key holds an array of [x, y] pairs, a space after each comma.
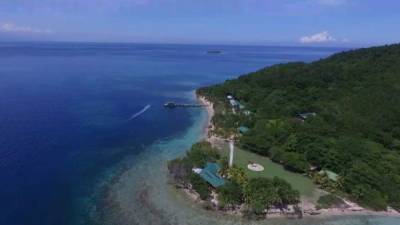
{"points": [[210, 113]]}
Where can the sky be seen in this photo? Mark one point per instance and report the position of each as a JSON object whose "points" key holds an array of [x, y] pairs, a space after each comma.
{"points": [[258, 22]]}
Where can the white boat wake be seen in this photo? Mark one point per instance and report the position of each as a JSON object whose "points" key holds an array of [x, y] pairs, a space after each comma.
{"points": [[140, 112]]}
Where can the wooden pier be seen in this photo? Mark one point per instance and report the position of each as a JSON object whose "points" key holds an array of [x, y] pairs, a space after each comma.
{"points": [[175, 105]]}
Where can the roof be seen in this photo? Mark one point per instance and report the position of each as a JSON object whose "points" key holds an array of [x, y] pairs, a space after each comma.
{"points": [[197, 170], [331, 175], [246, 112], [210, 174], [307, 115], [243, 129], [233, 102]]}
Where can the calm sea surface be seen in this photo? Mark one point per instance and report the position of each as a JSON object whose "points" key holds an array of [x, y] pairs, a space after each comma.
{"points": [[79, 121]]}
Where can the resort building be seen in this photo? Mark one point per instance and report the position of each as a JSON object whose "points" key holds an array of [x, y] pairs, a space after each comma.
{"points": [[331, 175], [243, 129], [304, 116], [234, 103], [210, 174]]}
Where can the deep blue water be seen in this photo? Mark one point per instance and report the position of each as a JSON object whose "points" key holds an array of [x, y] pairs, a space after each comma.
{"points": [[65, 110]]}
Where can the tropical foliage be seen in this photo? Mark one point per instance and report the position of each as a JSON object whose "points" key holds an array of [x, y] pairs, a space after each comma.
{"points": [[237, 175], [180, 169], [199, 185], [231, 194], [259, 194], [330, 201], [356, 130], [263, 193]]}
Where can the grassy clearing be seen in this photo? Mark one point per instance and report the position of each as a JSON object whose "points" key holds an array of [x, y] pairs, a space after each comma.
{"points": [[299, 182]]}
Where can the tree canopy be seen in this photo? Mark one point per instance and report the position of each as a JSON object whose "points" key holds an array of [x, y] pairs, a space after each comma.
{"points": [[355, 131], [263, 193], [258, 194]]}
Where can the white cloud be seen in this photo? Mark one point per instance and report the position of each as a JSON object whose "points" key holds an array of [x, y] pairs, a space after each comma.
{"points": [[12, 28], [322, 37]]}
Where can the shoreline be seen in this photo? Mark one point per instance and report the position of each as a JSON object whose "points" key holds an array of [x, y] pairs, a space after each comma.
{"points": [[208, 126], [309, 208]]}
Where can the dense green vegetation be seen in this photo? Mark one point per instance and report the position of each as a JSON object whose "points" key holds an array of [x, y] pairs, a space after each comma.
{"points": [[356, 130], [330, 201], [230, 194], [181, 169], [263, 193], [259, 194], [199, 185]]}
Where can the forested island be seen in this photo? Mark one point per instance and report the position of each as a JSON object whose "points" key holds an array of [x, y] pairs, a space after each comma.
{"points": [[336, 120]]}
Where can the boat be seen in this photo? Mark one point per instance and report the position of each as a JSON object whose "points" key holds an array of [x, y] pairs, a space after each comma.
{"points": [[170, 104]]}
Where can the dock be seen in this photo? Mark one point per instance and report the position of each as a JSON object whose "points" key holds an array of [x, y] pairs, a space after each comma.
{"points": [[175, 105]]}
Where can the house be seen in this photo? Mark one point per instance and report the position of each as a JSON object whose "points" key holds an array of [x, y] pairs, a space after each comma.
{"points": [[243, 129], [304, 116], [210, 174], [331, 175], [234, 103]]}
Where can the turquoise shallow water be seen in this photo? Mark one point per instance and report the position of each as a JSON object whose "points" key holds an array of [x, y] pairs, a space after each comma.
{"points": [[142, 195]]}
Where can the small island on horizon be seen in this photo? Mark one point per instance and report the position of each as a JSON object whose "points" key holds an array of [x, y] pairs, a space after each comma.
{"points": [[214, 52], [333, 123]]}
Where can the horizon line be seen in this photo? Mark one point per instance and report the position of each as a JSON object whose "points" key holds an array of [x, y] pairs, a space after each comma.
{"points": [[294, 45]]}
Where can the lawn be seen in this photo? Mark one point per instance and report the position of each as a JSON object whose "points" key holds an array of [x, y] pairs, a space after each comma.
{"points": [[242, 158]]}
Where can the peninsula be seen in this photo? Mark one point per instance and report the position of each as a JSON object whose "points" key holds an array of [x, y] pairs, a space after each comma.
{"points": [[335, 121]]}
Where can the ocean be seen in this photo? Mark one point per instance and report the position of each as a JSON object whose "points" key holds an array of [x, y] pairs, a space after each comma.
{"points": [[84, 136]]}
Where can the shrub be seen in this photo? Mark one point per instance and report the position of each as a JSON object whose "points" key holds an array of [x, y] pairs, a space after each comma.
{"points": [[230, 194], [329, 201], [200, 186], [201, 153]]}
